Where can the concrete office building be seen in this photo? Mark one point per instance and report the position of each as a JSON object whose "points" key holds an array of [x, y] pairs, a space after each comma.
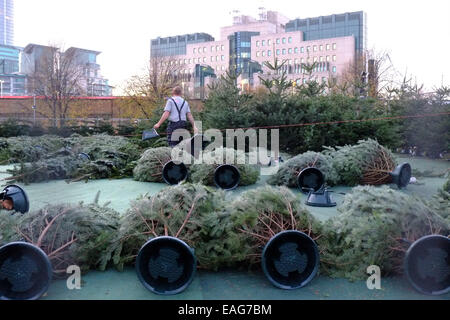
{"points": [[92, 83], [249, 42]]}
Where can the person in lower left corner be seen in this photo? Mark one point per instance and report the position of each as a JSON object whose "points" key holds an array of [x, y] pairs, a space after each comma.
{"points": [[177, 111], [6, 204]]}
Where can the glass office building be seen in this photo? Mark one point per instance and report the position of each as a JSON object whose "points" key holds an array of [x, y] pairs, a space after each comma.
{"points": [[13, 83], [333, 26], [174, 46], [7, 22], [241, 53]]}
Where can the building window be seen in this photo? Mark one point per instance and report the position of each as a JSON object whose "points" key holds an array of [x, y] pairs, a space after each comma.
{"points": [[204, 59], [212, 58], [263, 53], [324, 79], [223, 68], [278, 41], [334, 58], [217, 48], [328, 47], [257, 53], [302, 49], [290, 39], [334, 46], [314, 48], [204, 49], [222, 47], [263, 42], [321, 47], [222, 58], [296, 61], [321, 59], [295, 50], [308, 49], [217, 58], [302, 60], [334, 69], [195, 50], [269, 42], [257, 43], [328, 58], [269, 53], [315, 59], [284, 51], [212, 48], [290, 50], [278, 52]]}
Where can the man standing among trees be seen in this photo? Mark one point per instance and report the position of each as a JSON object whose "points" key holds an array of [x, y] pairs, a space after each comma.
{"points": [[176, 110]]}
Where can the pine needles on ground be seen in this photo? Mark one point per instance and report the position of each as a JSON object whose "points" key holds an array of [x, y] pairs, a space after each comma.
{"points": [[288, 172], [260, 214], [366, 163], [375, 226]]}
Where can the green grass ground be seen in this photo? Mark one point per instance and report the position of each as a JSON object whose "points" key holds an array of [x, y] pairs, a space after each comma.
{"points": [[230, 284]]}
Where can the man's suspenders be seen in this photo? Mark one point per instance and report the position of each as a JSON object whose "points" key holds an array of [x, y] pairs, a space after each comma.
{"points": [[178, 109]]}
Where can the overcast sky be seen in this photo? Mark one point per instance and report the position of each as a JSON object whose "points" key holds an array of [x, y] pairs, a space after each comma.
{"points": [[416, 33]]}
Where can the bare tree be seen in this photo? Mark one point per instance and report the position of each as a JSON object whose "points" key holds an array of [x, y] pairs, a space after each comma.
{"points": [[148, 90], [372, 73], [58, 78]]}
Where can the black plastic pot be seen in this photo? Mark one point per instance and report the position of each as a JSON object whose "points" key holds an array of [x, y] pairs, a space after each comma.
{"points": [[18, 196], [310, 179], [25, 272], [174, 173], [290, 260], [401, 175], [166, 265], [427, 265], [227, 177]]}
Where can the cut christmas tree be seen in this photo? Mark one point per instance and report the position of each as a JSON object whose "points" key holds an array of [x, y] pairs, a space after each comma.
{"points": [[366, 163], [376, 225], [287, 174]]}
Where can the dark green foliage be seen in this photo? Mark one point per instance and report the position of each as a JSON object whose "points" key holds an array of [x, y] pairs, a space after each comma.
{"points": [[441, 202], [367, 162], [176, 211], [430, 135], [111, 157], [69, 234], [12, 128], [260, 214], [225, 106], [374, 227], [288, 172], [28, 149]]}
